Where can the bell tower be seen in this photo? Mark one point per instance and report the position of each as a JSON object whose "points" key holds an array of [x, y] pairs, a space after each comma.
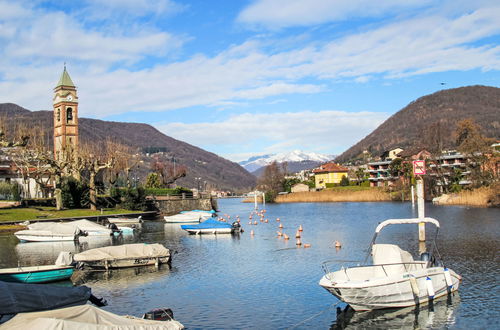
{"points": [[65, 116]]}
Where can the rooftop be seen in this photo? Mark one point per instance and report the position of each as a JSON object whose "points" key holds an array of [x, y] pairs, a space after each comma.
{"points": [[330, 167]]}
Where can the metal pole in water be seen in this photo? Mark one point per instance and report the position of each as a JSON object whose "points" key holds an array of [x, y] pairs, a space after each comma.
{"points": [[421, 209], [263, 200], [412, 196], [255, 198]]}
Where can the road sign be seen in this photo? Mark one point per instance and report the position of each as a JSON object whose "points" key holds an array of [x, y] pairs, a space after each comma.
{"points": [[419, 167]]}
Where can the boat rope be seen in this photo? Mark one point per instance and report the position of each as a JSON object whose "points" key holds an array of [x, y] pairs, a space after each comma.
{"points": [[314, 316]]}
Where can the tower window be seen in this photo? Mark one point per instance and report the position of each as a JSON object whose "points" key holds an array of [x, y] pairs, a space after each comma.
{"points": [[69, 115], [58, 114]]}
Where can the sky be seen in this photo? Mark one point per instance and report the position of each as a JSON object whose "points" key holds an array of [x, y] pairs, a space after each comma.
{"points": [[244, 78]]}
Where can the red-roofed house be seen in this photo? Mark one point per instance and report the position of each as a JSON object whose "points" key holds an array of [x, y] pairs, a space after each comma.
{"points": [[329, 173]]}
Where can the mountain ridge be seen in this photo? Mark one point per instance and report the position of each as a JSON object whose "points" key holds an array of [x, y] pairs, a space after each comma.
{"points": [[408, 127], [254, 163]]}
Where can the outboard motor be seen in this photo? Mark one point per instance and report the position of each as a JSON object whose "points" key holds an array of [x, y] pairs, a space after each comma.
{"points": [[426, 256], [159, 314], [236, 226], [114, 228]]}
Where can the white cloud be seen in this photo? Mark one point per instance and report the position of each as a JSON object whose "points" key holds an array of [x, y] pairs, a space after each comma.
{"points": [[323, 131], [56, 35], [285, 13], [102, 63]]}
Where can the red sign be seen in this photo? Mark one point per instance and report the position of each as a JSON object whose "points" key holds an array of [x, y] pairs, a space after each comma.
{"points": [[419, 167]]}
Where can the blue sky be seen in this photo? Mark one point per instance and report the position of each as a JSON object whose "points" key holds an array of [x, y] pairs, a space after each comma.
{"points": [[240, 78]]}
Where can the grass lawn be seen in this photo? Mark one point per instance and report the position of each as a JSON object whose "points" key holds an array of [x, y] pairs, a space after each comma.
{"points": [[21, 214]]}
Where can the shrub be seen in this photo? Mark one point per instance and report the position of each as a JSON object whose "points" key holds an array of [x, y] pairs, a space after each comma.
{"points": [[134, 199], [15, 191], [344, 181], [10, 191]]}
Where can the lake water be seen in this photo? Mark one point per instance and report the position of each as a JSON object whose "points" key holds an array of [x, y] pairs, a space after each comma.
{"points": [[262, 281]]}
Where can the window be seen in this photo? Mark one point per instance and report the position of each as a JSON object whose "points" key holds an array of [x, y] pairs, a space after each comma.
{"points": [[58, 114], [69, 115]]}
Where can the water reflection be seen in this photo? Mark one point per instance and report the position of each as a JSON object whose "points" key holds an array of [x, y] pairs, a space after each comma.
{"points": [[125, 278], [439, 314]]}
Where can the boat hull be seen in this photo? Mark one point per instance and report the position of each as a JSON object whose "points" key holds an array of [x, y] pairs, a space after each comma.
{"points": [[174, 219], [125, 263], [209, 231], [45, 238], [36, 274], [394, 291]]}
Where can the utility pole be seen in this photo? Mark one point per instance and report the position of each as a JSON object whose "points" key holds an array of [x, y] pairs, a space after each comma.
{"points": [[255, 198], [419, 170]]}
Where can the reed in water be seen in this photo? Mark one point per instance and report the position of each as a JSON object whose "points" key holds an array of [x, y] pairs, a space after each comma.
{"points": [[368, 195]]}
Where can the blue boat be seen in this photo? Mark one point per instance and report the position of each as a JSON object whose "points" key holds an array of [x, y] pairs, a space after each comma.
{"points": [[36, 274], [212, 226]]}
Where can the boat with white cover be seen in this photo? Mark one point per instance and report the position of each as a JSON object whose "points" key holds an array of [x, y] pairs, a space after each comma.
{"points": [[92, 228], [186, 217], [125, 220], [394, 279], [127, 255], [85, 317], [49, 232]]}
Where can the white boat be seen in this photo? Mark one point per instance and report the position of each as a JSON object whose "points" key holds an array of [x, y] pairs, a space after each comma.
{"points": [[211, 213], [127, 255], [125, 220], [186, 217], [394, 279], [49, 232]]}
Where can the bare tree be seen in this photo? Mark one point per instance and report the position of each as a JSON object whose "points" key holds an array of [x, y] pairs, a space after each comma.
{"points": [[169, 172], [476, 147], [271, 180]]}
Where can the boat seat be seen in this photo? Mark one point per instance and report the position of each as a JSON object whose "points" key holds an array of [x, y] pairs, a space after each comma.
{"points": [[383, 254]]}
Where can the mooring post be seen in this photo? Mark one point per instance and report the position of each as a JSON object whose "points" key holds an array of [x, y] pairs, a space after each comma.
{"points": [[421, 209], [412, 196], [255, 199], [263, 200]]}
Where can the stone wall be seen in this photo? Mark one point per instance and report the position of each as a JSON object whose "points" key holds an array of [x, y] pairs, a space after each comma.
{"points": [[174, 206]]}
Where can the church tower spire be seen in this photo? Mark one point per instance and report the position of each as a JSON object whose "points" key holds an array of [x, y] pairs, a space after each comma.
{"points": [[65, 116]]}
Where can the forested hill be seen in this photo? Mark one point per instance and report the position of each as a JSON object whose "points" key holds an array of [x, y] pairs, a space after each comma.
{"points": [[217, 171], [431, 115]]}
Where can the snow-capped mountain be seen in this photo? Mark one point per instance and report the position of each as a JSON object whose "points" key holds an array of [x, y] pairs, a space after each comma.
{"points": [[296, 156]]}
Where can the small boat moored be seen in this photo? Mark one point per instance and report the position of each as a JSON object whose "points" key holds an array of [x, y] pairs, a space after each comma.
{"points": [[86, 317], [121, 256], [394, 279], [213, 226], [50, 232], [125, 220], [36, 274]]}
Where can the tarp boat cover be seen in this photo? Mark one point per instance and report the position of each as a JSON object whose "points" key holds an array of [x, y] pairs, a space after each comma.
{"points": [[50, 228], [126, 251], [82, 225], [91, 227], [20, 297], [82, 318]]}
